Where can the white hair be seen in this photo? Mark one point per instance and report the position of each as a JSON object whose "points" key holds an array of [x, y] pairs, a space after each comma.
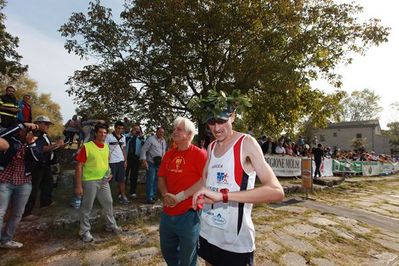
{"points": [[189, 126]]}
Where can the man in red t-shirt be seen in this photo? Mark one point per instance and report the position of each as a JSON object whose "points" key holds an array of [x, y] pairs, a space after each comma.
{"points": [[180, 175]]}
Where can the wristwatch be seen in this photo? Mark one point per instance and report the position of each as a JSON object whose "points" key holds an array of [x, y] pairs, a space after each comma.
{"points": [[225, 194]]}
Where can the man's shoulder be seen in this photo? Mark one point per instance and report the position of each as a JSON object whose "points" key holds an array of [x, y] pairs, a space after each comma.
{"points": [[201, 153], [150, 138], [249, 143], [247, 139], [195, 149], [109, 137]]}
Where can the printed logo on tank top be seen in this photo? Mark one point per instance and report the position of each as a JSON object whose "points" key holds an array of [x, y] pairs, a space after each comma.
{"points": [[217, 166], [176, 165], [218, 219], [221, 178]]}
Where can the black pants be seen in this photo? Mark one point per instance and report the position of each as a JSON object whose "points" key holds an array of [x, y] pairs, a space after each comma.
{"points": [[317, 170], [132, 172], [42, 179]]}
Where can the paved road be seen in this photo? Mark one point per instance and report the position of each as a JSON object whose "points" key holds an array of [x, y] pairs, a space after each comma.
{"points": [[368, 217]]}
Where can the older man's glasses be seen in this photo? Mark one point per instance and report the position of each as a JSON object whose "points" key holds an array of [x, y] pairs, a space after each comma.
{"points": [[213, 121]]}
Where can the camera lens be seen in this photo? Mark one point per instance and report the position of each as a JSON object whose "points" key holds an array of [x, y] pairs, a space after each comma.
{"points": [[36, 133]]}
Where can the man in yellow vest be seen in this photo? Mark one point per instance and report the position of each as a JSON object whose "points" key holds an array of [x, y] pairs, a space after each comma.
{"points": [[92, 181], [8, 108]]}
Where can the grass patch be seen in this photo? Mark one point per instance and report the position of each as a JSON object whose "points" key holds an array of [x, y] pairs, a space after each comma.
{"points": [[276, 256]]}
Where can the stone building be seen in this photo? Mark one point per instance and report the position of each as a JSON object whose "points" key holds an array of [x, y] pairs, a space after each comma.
{"points": [[341, 135]]}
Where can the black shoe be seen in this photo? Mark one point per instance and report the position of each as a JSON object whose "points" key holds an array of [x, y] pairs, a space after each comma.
{"points": [[150, 201]]}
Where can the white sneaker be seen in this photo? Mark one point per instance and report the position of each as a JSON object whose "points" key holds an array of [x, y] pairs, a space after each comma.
{"points": [[87, 237], [11, 244], [116, 229], [133, 195], [123, 200]]}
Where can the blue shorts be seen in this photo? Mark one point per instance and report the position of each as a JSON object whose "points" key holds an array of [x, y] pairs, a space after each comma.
{"points": [[217, 256], [118, 171]]}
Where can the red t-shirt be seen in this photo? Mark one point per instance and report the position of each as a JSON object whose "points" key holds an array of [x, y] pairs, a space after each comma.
{"points": [[26, 112], [181, 170], [81, 156]]}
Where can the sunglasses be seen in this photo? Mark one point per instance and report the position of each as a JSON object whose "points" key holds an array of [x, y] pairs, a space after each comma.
{"points": [[212, 121]]}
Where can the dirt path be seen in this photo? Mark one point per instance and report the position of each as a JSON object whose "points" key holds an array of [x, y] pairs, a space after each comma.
{"points": [[353, 224]]}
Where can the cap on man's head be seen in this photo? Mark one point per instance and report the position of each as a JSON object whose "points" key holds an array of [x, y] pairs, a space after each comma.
{"points": [[43, 119], [224, 115]]}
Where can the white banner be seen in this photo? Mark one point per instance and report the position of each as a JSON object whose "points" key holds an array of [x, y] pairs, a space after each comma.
{"points": [[395, 167], [386, 168], [371, 169], [284, 165], [325, 168]]}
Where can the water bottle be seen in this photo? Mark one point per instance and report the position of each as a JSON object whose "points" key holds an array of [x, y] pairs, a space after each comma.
{"points": [[78, 201], [106, 175]]}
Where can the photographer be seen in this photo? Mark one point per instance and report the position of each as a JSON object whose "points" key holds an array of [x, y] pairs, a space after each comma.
{"points": [[42, 177], [15, 177], [7, 133]]}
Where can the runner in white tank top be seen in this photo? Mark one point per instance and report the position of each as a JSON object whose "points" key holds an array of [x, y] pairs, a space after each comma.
{"points": [[227, 235], [229, 225]]}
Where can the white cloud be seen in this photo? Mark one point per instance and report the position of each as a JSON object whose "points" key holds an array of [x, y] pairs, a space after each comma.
{"points": [[376, 70], [49, 63]]}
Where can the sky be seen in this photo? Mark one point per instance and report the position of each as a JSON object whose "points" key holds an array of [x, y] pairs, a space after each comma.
{"points": [[36, 23]]}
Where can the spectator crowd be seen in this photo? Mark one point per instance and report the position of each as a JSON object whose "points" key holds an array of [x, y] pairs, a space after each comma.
{"points": [[285, 146]]}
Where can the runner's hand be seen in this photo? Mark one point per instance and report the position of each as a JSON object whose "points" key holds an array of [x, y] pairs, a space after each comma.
{"points": [[205, 195]]}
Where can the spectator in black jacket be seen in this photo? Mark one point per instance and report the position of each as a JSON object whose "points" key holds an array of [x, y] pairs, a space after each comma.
{"points": [[318, 155], [269, 147], [42, 177], [134, 144]]}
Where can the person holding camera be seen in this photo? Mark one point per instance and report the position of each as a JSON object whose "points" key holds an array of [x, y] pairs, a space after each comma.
{"points": [[151, 154], [15, 177], [42, 177]]}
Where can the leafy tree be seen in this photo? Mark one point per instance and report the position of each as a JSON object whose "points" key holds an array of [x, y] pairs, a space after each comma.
{"points": [[41, 103], [160, 55], [360, 105], [358, 143], [10, 66], [393, 134]]}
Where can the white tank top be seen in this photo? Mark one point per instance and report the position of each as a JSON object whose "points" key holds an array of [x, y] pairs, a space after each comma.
{"points": [[229, 225]]}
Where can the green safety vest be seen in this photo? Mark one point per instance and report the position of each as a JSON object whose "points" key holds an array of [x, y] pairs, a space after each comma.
{"points": [[96, 164]]}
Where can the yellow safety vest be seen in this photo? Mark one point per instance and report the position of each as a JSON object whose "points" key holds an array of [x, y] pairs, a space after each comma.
{"points": [[96, 164], [10, 105]]}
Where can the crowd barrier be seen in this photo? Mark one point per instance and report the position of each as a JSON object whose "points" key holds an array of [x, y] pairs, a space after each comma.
{"points": [[285, 166]]}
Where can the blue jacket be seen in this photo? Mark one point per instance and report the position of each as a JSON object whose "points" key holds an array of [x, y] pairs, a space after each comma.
{"points": [[20, 115], [32, 154]]}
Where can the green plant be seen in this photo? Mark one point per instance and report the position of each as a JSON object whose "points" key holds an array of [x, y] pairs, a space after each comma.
{"points": [[219, 101]]}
